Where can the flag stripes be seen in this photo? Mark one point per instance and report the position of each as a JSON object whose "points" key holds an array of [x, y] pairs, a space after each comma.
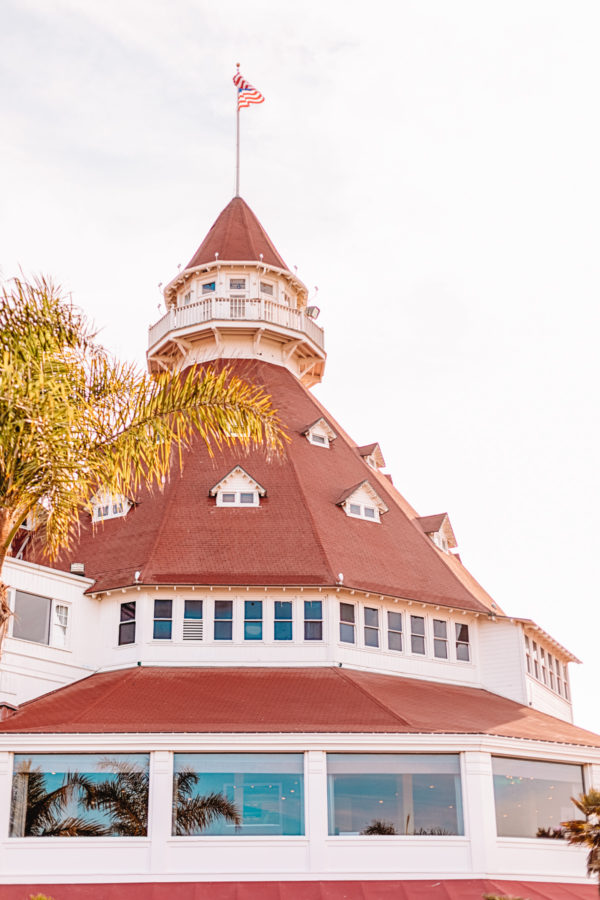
{"points": [[247, 94]]}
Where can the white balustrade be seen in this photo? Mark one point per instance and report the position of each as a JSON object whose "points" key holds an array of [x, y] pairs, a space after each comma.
{"points": [[235, 308]]}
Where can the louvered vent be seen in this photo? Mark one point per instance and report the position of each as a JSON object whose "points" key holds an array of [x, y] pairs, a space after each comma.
{"points": [[193, 629]]}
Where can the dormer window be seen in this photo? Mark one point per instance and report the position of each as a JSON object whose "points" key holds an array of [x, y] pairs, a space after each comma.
{"points": [[237, 488], [439, 530], [320, 433], [266, 288], [363, 502], [372, 455], [106, 506]]}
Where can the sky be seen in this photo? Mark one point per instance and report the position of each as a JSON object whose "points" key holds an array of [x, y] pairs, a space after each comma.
{"points": [[432, 167]]}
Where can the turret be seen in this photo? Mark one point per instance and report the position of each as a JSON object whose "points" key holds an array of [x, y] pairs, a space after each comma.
{"points": [[237, 299]]}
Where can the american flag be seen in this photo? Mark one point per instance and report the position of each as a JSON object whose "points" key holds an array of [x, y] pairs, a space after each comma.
{"points": [[247, 94]]}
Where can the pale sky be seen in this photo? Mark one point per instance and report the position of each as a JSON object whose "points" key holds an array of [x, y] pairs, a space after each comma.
{"points": [[432, 166]]}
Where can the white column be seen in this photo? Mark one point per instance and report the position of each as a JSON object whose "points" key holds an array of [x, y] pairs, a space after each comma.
{"points": [[5, 796], [160, 807], [316, 809], [480, 810], [592, 776]]}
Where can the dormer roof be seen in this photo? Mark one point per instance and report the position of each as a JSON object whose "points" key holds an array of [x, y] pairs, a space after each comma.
{"points": [[233, 473], [438, 524], [237, 235], [374, 452], [366, 487]]}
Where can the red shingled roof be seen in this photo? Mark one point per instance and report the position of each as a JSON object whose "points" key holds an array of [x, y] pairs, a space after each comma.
{"points": [[270, 700], [426, 889], [298, 535], [237, 235]]}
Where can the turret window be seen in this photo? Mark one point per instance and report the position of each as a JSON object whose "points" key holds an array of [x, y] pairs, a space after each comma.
{"points": [[462, 642], [440, 639], [266, 288], [417, 634], [237, 284], [282, 626], [163, 620], [347, 626], [371, 627], [209, 287], [253, 626], [223, 620], [313, 620], [127, 623], [394, 631]]}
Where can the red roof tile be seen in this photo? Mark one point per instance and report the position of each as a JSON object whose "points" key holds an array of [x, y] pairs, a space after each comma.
{"points": [[237, 235], [298, 535], [424, 889], [270, 700]]}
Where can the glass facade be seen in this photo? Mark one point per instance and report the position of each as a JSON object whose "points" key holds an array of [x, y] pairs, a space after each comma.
{"points": [[533, 798], [79, 795], [372, 793], [238, 794]]}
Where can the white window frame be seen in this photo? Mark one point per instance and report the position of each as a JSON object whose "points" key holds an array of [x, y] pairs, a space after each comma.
{"points": [[54, 605], [238, 501], [361, 515], [109, 504], [319, 440]]}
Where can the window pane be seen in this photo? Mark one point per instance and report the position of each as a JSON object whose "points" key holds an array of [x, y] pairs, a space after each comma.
{"points": [[36, 776], [346, 633], [417, 624], [253, 631], [127, 633], [394, 794], [249, 793], [313, 631], [369, 512], [192, 609], [163, 609], [247, 498], [533, 798], [237, 284], [313, 609], [127, 611], [223, 609], [208, 286], [283, 631], [371, 637], [227, 498], [346, 612], [395, 621], [355, 509], [440, 649], [417, 644], [223, 631], [372, 617], [462, 633], [394, 640], [462, 653], [439, 628], [253, 609], [32, 617], [162, 629], [283, 609]]}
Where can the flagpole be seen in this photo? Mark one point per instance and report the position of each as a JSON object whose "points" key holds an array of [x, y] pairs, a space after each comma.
{"points": [[237, 139]]}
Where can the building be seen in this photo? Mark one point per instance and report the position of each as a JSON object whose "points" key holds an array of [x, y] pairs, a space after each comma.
{"points": [[274, 678]]}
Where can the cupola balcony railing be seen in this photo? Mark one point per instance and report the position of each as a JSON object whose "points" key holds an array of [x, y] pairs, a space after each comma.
{"points": [[236, 309]]}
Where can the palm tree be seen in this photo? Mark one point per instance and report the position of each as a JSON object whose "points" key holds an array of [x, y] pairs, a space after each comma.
{"points": [[37, 812], [587, 831], [73, 420], [123, 796], [193, 813], [379, 826]]}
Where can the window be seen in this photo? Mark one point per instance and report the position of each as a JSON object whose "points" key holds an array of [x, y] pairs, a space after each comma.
{"points": [[187, 298], [533, 798], [32, 617], [259, 793], [163, 620], [253, 620], [371, 627], [283, 620], [238, 498], [223, 620], [266, 288], [394, 630], [208, 287], [392, 793], [237, 284], [347, 623], [193, 625], [462, 642], [127, 623], [61, 625], [545, 667], [417, 634], [527, 654], [313, 620], [105, 506], [362, 511], [89, 783], [320, 439], [320, 433], [440, 639]]}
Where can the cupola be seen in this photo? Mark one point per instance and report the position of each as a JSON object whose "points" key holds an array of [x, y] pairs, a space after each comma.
{"points": [[237, 298]]}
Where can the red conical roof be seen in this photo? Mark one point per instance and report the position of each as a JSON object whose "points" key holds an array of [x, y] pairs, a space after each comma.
{"points": [[298, 535], [237, 235]]}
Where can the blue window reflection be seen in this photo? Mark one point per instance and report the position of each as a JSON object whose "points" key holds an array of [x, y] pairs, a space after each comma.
{"points": [[394, 794], [238, 793], [282, 630], [253, 620], [533, 798], [79, 795]]}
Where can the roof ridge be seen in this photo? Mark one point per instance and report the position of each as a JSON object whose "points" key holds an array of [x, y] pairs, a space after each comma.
{"points": [[346, 675]]}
